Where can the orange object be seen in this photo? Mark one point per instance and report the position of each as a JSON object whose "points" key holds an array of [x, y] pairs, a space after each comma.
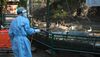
{"points": [[4, 39]]}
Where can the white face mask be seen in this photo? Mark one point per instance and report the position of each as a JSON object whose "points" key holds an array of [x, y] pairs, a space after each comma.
{"points": [[24, 13]]}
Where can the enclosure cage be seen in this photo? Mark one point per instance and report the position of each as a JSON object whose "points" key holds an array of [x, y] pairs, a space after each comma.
{"points": [[67, 42], [83, 39]]}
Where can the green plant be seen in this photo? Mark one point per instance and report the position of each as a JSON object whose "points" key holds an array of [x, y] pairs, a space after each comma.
{"points": [[59, 14], [23, 3]]}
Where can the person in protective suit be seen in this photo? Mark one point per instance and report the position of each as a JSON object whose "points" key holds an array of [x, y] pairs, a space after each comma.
{"points": [[18, 31]]}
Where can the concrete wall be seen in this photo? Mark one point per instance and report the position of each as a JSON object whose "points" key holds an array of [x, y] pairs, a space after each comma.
{"points": [[93, 2]]}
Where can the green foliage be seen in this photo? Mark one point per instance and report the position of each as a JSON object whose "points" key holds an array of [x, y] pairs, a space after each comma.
{"points": [[3, 2], [37, 1], [23, 3], [59, 14], [62, 8], [59, 9]]}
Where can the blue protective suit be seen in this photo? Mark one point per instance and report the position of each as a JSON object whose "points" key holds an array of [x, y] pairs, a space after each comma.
{"points": [[18, 30]]}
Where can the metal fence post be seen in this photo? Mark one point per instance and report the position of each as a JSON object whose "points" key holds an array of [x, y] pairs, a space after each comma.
{"points": [[48, 16]]}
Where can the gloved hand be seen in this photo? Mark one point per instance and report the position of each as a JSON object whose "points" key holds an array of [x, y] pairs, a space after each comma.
{"points": [[37, 30]]}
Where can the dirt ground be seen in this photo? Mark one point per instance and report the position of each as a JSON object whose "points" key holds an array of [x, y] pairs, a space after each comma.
{"points": [[38, 53], [42, 53]]}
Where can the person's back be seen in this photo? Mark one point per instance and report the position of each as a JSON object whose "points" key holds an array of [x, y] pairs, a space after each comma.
{"points": [[18, 26]]}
